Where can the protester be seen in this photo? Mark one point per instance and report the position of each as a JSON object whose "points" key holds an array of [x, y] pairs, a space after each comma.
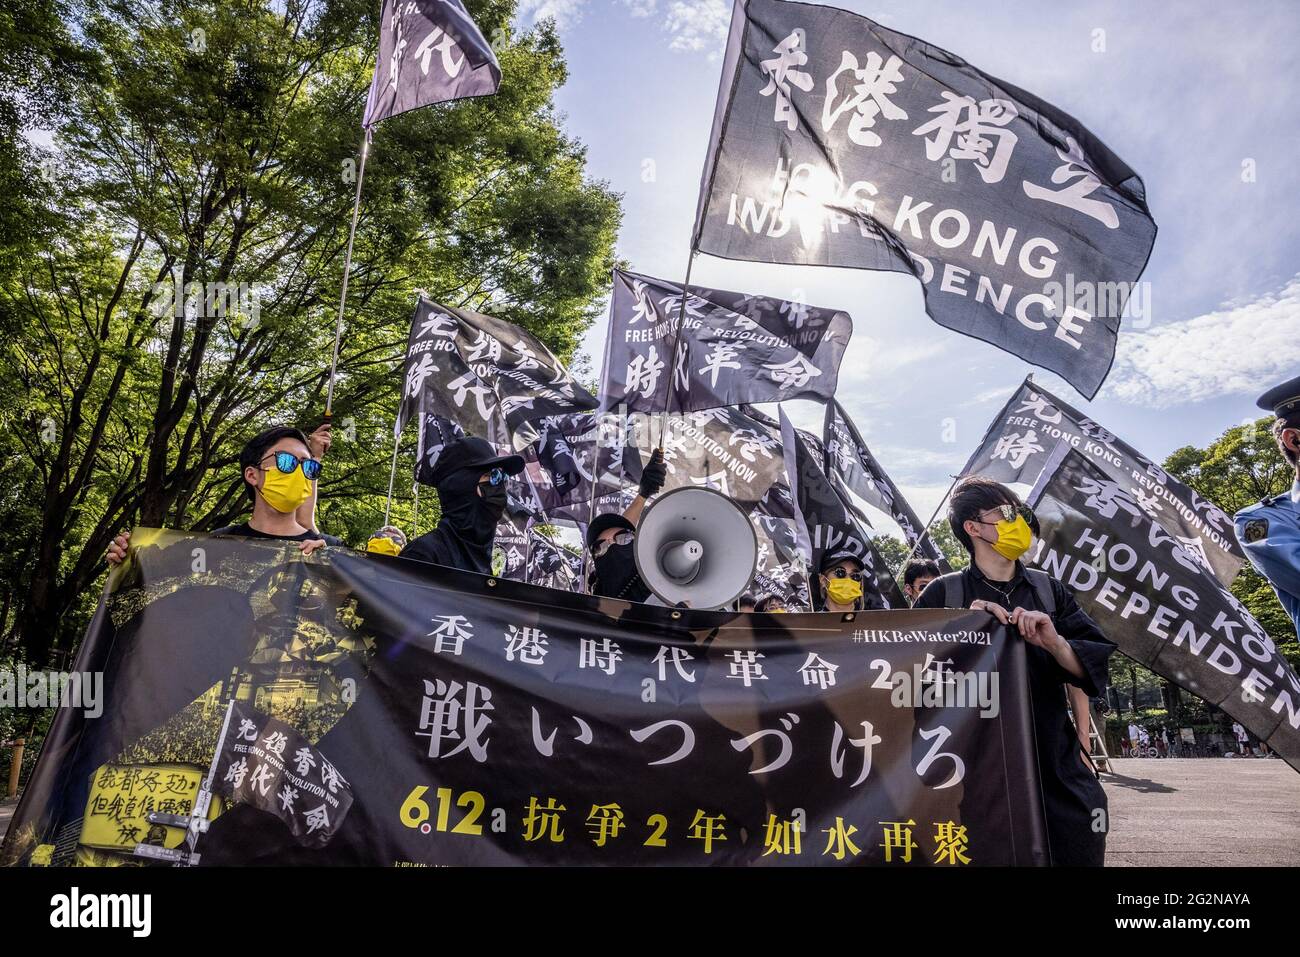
{"points": [[841, 579], [388, 540], [771, 605], [916, 575], [1063, 647], [612, 570], [281, 467], [470, 478], [1269, 530], [745, 603]]}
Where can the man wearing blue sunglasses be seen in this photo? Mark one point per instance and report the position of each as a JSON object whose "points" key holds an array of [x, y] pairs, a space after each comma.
{"points": [[470, 478], [280, 475]]}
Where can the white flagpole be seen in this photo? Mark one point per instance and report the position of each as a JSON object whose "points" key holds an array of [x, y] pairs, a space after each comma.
{"points": [[347, 270]]}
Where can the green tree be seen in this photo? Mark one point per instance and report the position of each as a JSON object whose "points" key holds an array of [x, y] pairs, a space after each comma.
{"points": [[209, 147]]}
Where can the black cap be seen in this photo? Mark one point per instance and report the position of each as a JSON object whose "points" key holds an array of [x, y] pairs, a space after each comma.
{"points": [[602, 522], [835, 556], [471, 452], [1282, 400]]}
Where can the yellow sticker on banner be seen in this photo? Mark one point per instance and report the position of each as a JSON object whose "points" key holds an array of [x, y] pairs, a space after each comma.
{"points": [[42, 856], [122, 796]]}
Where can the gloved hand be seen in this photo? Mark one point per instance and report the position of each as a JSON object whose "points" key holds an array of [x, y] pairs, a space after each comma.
{"points": [[653, 475]]}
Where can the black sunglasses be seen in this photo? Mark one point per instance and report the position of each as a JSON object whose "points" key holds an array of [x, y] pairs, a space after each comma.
{"points": [[843, 572], [619, 538], [286, 462]]}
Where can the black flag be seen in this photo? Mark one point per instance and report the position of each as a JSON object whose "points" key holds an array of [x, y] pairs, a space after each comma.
{"points": [[1020, 439], [266, 763], [853, 468], [1157, 600], [489, 376], [736, 349], [830, 525], [430, 51], [837, 142]]}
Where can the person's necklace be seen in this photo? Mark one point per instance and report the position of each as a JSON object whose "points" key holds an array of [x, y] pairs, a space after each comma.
{"points": [[1004, 592]]}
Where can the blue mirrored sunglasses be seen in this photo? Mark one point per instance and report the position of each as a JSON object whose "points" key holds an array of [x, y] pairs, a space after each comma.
{"points": [[495, 477], [286, 462]]}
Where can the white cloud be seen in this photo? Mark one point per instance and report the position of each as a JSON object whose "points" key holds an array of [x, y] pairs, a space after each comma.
{"points": [[641, 8], [698, 24], [565, 13], [1243, 347]]}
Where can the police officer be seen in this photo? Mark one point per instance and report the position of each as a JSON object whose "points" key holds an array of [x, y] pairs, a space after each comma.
{"points": [[1269, 531]]}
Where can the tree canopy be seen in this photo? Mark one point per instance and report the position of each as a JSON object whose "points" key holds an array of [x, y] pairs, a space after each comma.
{"points": [[211, 148]]}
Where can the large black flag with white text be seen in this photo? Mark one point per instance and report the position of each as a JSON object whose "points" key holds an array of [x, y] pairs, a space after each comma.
{"points": [[1157, 600], [737, 348], [838, 142], [1019, 441], [430, 51], [489, 376]]}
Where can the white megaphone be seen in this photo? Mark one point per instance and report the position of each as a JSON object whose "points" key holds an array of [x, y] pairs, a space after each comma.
{"points": [[695, 545]]}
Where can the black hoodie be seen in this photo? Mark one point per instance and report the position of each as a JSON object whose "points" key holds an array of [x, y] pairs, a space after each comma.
{"points": [[467, 528]]}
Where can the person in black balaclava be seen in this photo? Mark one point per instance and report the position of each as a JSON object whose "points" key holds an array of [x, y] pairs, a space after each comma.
{"points": [[613, 571], [470, 478]]}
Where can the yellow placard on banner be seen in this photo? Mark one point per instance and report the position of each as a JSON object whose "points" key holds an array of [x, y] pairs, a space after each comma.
{"points": [[123, 795]]}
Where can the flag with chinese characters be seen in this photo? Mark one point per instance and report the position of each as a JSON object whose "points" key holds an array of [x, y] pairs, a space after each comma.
{"points": [[736, 348], [430, 51], [1023, 435], [838, 142], [1153, 595], [267, 764], [854, 469], [488, 376]]}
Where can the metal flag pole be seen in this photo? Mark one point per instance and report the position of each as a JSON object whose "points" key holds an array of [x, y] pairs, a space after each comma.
{"points": [[925, 532], [392, 472], [347, 270]]}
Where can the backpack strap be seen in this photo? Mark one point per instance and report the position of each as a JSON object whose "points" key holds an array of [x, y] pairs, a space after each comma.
{"points": [[1043, 589], [954, 590]]}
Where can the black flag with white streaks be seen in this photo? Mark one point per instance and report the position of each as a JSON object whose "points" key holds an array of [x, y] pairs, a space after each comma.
{"points": [[853, 468], [1033, 421], [1157, 600], [430, 51], [831, 526], [489, 376], [838, 142], [736, 348]]}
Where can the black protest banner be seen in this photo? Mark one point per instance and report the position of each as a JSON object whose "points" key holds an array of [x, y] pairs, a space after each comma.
{"points": [[1027, 430], [838, 142], [1158, 601], [265, 763], [430, 51], [479, 721], [736, 348], [490, 377], [853, 468], [831, 528]]}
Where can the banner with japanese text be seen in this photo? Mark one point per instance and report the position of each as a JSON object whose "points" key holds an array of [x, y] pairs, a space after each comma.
{"points": [[368, 710], [839, 142]]}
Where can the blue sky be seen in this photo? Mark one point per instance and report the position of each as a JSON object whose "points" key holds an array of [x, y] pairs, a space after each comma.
{"points": [[1195, 96]]}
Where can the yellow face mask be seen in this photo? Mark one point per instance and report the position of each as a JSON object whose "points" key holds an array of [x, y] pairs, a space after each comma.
{"points": [[382, 545], [1013, 538], [285, 493], [844, 591]]}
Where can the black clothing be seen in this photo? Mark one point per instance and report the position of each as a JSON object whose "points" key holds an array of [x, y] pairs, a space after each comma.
{"points": [[468, 526], [1071, 792], [244, 530], [616, 576]]}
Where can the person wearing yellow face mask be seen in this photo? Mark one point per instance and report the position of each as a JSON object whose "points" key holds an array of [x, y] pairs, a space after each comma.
{"points": [[841, 582], [1064, 651], [389, 540], [280, 474]]}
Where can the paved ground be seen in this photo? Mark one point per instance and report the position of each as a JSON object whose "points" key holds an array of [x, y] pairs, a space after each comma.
{"points": [[1216, 812], [1212, 812]]}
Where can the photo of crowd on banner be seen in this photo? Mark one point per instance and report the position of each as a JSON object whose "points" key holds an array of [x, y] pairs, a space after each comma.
{"points": [[679, 500]]}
